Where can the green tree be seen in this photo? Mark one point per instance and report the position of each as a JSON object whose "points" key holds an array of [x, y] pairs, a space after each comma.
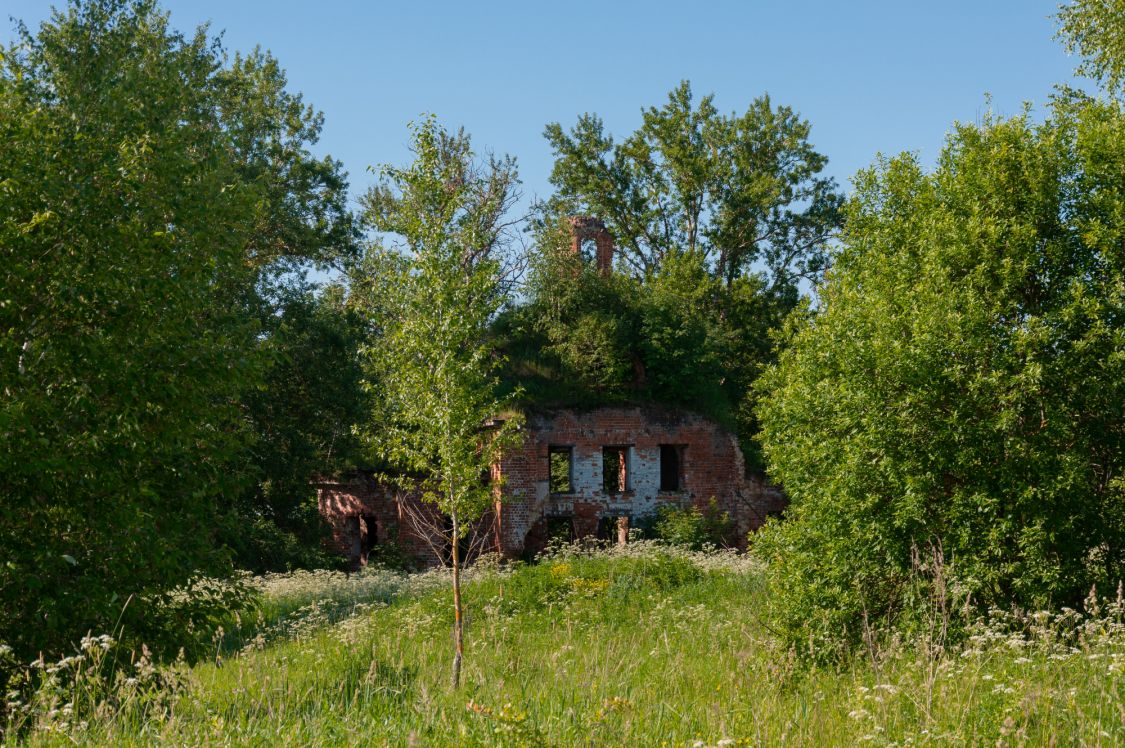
{"points": [[579, 329], [433, 293], [962, 386], [302, 415], [300, 214], [717, 220], [308, 396], [151, 198], [679, 336], [1096, 30], [737, 189], [122, 346]]}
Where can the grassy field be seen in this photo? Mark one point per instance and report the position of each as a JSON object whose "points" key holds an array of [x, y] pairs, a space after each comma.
{"points": [[640, 646]]}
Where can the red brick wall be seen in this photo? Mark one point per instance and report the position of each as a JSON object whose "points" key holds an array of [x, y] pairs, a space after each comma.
{"points": [[346, 502], [711, 466]]}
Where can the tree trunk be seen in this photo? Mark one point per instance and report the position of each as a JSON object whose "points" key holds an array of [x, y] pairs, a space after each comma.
{"points": [[458, 641]]}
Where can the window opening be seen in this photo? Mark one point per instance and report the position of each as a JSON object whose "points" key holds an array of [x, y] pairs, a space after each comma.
{"points": [[561, 464], [671, 475], [368, 536], [615, 469]]}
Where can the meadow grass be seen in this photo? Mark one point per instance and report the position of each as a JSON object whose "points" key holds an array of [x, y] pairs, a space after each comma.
{"points": [[640, 646]]}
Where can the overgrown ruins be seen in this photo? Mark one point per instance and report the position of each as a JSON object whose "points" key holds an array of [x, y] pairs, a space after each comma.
{"points": [[578, 473]]}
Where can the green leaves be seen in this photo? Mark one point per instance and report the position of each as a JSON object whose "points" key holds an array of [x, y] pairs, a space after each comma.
{"points": [[149, 190], [738, 189], [431, 296], [1096, 30], [961, 384]]}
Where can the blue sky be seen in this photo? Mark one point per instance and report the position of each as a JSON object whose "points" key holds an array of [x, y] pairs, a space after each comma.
{"points": [[870, 76]]}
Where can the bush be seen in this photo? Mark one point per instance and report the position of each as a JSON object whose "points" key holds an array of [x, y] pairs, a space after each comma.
{"points": [[260, 546], [962, 386], [694, 527]]}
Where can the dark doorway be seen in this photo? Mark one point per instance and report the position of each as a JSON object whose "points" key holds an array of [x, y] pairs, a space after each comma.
{"points": [[614, 529], [368, 536], [546, 531], [671, 476]]}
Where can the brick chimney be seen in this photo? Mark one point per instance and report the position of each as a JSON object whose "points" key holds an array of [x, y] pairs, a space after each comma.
{"points": [[584, 228]]}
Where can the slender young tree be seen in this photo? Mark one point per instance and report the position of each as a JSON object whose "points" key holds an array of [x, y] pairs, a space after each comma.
{"points": [[432, 285]]}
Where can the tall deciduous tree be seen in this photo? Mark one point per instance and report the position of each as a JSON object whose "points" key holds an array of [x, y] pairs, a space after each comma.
{"points": [[150, 194], [123, 349], [963, 385], [738, 189], [433, 292], [307, 346], [300, 215], [302, 414], [1096, 30]]}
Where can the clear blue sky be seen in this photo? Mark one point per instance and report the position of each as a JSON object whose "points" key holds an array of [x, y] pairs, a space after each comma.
{"points": [[870, 76]]}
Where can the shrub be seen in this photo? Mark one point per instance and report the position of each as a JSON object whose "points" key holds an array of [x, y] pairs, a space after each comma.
{"points": [[693, 527], [962, 385]]}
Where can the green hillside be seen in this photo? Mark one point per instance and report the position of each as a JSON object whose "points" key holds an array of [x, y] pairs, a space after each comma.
{"points": [[639, 645]]}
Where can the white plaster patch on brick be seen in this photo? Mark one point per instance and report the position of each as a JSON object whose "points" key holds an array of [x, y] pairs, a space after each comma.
{"points": [[646, 479], [587, 471]]}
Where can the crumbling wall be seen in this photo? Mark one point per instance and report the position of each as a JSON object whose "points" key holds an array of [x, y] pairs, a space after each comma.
{"points": [[353, 503], [711, 466]]}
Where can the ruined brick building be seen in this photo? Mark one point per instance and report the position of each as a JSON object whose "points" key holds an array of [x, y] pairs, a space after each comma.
{"points": [[576, 473]]}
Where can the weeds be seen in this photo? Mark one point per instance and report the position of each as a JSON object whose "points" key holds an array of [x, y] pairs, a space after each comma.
{"points": [[636, 645]]}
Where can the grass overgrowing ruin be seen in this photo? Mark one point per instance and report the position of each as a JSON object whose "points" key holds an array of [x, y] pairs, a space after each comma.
{"points": [[633, 645]]}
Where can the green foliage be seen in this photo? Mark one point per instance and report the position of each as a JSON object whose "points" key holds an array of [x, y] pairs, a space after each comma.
{"points": [[624, 646], [121, 349], [150, 196], [693, 527], [1096, 30], [580, 326], [432, 298], [302, 414], [962, 386], [679, 337], [561, 468], [698, 203], [592, 580], [736, 189]]}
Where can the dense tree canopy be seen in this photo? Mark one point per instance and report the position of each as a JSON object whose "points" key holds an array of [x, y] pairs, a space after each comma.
{"points": [[963, 385], [150, 194], [716, 220], [736, 189], [302, 412]]}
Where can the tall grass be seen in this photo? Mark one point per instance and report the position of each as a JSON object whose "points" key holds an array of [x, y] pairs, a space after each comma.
{"points": [[637, 646]]}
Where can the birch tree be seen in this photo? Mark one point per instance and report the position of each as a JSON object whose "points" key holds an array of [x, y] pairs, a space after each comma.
{"points": [[432, 284]]}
